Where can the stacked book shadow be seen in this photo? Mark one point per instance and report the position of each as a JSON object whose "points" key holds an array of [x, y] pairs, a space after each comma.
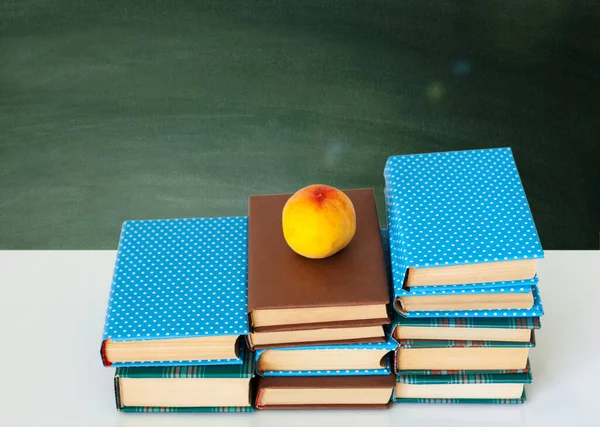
{"points": [[463, 251]]}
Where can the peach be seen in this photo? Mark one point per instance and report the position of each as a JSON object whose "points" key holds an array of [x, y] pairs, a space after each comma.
{"points": [[318, 221]]}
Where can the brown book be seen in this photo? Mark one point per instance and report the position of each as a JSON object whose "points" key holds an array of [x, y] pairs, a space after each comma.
{"points": [[289, 292], [301, 337], [324, 392]]}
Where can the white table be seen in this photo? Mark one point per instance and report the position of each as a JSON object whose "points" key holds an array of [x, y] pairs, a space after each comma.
{"points": [[52, 313]]}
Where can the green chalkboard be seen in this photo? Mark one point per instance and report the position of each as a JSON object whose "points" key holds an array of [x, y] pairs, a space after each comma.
{"points": [[114, 110]]}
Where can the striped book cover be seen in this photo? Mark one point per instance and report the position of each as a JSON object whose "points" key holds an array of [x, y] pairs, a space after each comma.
{"points": [[244, 370], [420, 345], [522, 399], [469, 322]]}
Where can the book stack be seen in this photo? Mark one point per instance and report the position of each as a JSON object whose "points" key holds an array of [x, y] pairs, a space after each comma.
{"points": [[221, 315], [319, 327], [463, 251], [176, 317]]}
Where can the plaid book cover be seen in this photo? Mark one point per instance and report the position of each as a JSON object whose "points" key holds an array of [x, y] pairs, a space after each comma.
{"points": [[469, 322], [522, 399], [523, 378], [406, 344], [245, 370], [458, 372]]}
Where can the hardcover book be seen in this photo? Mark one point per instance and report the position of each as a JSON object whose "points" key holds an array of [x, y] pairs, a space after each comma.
{"points": [[525, 370], [292, 294], [503, 295], [536, 310], [422, 355], [179, 293], [517, 329], [330, 360], [464, 300], [215, 388], [521, 399], [358, 392], [463, 388], [458, 218]]}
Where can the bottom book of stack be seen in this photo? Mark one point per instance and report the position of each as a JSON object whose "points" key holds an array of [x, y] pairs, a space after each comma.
{"points": [[213, 388]]}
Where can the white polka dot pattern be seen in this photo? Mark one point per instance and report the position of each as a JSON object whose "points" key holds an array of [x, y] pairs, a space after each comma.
{"points": [[457, 208], [390, 345], [535, 311], [179, 278]]}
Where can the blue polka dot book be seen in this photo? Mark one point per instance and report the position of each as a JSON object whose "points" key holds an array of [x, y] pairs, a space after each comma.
{"points": [[462, 240], [179, 294]]}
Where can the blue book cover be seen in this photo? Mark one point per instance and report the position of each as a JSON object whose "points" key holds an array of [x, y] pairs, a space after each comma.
{"points": [[458, 208], [522, 286], [536, 310], [176, 279], [388, 346], [511, 286], [526, 370]]}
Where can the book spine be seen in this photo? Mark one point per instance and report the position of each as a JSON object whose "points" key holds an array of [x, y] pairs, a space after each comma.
{"points": [[105, 360], [118, 393]]}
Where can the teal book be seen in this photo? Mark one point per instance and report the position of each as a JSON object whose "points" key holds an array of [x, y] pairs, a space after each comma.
{"points": [[210, 388], [518, 329], [525, 370], [461, 388], [498, 401]]}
